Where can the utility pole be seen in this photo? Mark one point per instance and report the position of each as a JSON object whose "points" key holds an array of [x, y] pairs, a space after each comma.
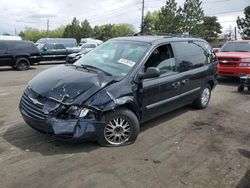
{"points": [[235, 33], [142, 16], [47, 27]]}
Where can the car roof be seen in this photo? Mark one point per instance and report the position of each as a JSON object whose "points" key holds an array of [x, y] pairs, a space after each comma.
{"points": [[156, 39], [16, 41], [240, 41]]}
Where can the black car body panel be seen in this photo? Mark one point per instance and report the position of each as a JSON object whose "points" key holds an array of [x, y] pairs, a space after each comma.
{"points": [[53, 92], [72, 58], [11, 50]]}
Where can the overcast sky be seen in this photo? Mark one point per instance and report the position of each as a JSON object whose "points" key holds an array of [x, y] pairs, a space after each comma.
{"points": [[18, 14]]}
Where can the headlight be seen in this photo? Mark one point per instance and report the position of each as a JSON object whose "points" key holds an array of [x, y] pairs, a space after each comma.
{"points": [[78, 112], [78, 57], [244, 65], [245, 60]]}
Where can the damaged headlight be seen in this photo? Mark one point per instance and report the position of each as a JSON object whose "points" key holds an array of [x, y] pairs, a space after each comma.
{"points": [[78, 112]]}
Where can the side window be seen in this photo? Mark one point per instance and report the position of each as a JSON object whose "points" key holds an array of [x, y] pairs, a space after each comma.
{"points": [[49, 46], [162, 58], [60, 46], [189, 55]]}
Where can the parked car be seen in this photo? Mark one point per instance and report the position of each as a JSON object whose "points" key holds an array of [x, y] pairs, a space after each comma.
{"points": [[234, 58], [106, 94], [4, 37], [89, 46], [90, 40], [72, 58], [54, 51], [18, 54], [67, 42]]}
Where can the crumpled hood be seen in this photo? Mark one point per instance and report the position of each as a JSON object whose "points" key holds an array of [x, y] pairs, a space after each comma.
{"points": [[64, 83]]}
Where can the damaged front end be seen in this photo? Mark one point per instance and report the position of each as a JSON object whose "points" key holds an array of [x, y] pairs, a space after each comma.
{"points": [[64, 121], [72, 107]]}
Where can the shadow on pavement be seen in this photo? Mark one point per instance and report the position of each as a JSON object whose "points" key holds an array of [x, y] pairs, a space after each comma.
{"points": [[3, 69], [228, 81], [245, 181], [25, 138]]}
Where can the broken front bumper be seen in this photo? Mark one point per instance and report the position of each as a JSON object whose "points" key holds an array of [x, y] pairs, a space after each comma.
{"points": [[72, 129]]}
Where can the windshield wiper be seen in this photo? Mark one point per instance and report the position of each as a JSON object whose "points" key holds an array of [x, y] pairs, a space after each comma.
{"points": [[90, 67]]}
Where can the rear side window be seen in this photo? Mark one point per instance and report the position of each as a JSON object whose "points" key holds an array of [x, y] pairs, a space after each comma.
{"points": [[3, 46], [60, 46], [189, 55], [21, 46]]}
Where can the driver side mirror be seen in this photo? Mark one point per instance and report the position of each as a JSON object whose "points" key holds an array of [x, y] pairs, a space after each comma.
{"points": [[151, 72]]}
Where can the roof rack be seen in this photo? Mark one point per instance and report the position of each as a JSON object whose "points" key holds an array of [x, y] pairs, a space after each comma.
{"points": [[166, 35]]}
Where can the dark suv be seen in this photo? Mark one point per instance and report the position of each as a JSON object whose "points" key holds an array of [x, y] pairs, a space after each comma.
{"points": [[125, 81], [18, 54]]}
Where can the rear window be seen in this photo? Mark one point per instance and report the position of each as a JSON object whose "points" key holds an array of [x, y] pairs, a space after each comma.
{"points": [[60, 46], [236, 47]]}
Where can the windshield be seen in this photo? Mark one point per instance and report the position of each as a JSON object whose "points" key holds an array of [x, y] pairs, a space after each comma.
{"points": [[116, 58], [236, 47], [39, 45]]}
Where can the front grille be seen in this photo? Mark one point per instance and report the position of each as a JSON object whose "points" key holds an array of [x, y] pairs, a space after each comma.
{"points": [[34, 110], [228, 59], [228, 64]]}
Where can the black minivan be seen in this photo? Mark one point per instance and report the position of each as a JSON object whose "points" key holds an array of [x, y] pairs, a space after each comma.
{"points": [[18, 54], [125, 81]]}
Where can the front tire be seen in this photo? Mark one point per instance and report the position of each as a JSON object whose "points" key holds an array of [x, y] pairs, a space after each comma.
{"points": [[22, 64], [121, 128], [204, 98]]}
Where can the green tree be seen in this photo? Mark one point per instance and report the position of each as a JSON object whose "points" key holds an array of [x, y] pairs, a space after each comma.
{"points": [[86, 29], [73, 30], [150, 22], [244, 24], [103, 32], [121, 30], [170, 18], [210, 28], [57, 33], [32, 34], [192, 14]]}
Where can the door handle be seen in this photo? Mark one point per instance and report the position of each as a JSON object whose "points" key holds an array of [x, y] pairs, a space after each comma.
{"points": [[185, 81], [176, 84]]}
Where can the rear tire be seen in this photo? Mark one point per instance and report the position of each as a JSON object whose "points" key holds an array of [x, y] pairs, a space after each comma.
{"points": [[22, 64], [204, 98], [121, 128], [241, 88]]}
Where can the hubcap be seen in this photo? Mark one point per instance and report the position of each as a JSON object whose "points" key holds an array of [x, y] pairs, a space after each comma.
{"points": [[23, 65], [205, 96], [117, 131]]}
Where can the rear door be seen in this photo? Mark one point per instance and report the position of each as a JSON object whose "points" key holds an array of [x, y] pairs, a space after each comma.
{"points": [[5, 57], [60, 52], [161, 95], [191, 60]]}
